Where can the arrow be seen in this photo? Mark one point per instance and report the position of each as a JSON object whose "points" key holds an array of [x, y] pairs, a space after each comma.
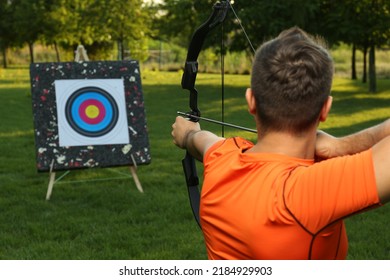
{"points": [[216, 122]]}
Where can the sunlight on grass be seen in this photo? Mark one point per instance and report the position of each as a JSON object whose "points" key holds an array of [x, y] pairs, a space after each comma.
{"points": [[17, 133], [344, 85]]}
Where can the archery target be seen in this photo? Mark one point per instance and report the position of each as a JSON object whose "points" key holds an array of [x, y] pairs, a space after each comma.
{"points": [[91, 112]]}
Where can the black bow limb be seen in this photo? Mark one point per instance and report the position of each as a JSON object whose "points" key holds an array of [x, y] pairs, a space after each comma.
{"points": [[217, 16]]}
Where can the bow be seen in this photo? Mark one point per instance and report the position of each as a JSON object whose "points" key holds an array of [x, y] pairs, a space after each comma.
{"points": [[188, 82], [217, 17]]}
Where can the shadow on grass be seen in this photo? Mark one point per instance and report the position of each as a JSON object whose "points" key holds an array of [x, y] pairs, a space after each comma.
{"points": [[353, 104]]}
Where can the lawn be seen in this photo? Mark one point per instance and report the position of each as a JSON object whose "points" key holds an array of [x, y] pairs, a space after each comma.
{"points": [[91, 219]]}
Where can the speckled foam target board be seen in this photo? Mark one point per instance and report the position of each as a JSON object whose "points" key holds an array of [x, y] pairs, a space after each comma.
{"points": [[88, 114]]}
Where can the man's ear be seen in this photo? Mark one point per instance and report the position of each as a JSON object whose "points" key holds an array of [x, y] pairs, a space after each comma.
{"points": [[250, 99], [326, 108]]}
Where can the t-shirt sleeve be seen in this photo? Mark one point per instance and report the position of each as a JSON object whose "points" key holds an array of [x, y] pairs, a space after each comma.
{"points": [[331, 190], [224, 147]]}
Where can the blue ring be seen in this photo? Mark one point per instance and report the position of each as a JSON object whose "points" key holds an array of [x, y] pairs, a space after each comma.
{"points": [[86, 126]]}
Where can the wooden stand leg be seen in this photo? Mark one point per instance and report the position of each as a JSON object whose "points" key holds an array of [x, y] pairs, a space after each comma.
{"points": [[136, 180], [133, 170], [51, 181]]}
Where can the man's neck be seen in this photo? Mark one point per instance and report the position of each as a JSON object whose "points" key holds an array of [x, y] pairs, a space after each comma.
{"points": [[298, 146]]}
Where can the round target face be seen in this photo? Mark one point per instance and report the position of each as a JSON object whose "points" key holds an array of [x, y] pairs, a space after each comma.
{"points": [[91, 111]]}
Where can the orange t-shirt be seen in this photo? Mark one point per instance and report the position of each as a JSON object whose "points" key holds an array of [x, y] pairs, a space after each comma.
{"points": [[271, 206]]}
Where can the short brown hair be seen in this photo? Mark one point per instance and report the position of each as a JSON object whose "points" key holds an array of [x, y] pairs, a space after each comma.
{"points": [[291, 79]]}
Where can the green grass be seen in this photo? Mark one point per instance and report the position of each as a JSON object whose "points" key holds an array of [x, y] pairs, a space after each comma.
{"points": [[111, 219]]}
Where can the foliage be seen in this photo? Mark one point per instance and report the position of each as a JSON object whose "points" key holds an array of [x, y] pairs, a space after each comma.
{"points": [[123, 21], [178, 18], [26, 22], [99, 25], [107, 27], [96, 24], [265, 19], [365, 24], [360, 22], [335, 20]]}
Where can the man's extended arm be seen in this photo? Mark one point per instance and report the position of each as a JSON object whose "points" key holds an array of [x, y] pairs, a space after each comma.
{"points": [[328, 146], [188, 135]]}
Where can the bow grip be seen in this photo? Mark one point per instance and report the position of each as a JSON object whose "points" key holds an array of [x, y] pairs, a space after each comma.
{"points": [[188, 82]]}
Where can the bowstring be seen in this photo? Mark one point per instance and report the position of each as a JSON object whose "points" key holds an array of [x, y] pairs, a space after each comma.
{"points": [[223, 62], [223, 78], [241, 26]]}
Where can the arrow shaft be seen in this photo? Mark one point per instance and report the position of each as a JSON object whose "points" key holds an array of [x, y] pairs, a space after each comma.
{"points": [[217, 122]]}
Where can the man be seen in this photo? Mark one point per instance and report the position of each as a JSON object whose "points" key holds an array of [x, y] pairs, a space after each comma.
{"points": [[272, 200]]}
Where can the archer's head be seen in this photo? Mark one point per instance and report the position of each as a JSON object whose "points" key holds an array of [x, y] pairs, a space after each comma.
{"points": [[291, 81]]}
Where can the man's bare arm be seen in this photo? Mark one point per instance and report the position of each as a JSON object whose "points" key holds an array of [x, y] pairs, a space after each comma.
{"points": [[198, 142], [328, 146]]}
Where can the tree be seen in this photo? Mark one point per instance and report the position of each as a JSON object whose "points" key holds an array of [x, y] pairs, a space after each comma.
{"points": [[124, 21], [97, 24], [264, 19], [261, 19], [179, 18], [28, 22], [84, 26], [365, 24], [59, 24], [6, 34], [378, 33]]}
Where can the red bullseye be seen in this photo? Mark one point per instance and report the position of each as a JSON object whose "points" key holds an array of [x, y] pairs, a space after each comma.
{"points": [[92, 111]]}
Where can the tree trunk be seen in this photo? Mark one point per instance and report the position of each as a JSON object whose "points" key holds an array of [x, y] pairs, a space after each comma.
{"points": [[353, 74], [160, 56], [4, 49], [57, 51], [121, 50], [364, 79], [31, 48], [371, 70]]}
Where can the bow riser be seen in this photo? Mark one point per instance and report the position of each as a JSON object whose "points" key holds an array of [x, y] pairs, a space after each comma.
{"points": [[188, 82]]}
